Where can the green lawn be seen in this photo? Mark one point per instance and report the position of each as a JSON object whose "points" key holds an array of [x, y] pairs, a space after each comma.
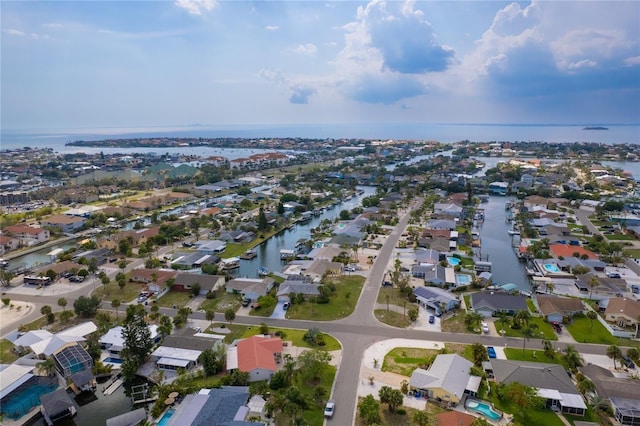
{"points": [[112, 291], [454, 323], [237, 331], [543, 327], [620, 237], [341, 304], [7, 355], [530, 355], [467, 301], [584, 331], [632, 253], [174, 298], [395, 296], [263, 311], [531, 306], [222, 302], [590, 416], [543, 417], [405, 360], [392, 318], [314, 415], [297, 338]]}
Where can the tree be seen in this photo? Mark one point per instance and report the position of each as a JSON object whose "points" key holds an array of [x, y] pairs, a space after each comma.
{"points": [[312, 363], [263, 224], [527, 333], [264, 328], [137, 343], [210, 315], [522, 317], [369, 410], [524, 397], [591, 315], [62, 302], [47, 312], [413, 314], [593, 283], [115, 304], [614, 353], [422, 418], [165, 326], [479, 354], [211, 363], [548, 349], [634, 354], [391, 397], [47, 367], [65, 316], [472, 320], [6, 277], [195, 289], [6, 301], [571, 357], [480, 421], [229, 315]]}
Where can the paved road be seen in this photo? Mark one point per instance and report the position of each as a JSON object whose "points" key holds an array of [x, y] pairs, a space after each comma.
{"points": [[356, 333]]}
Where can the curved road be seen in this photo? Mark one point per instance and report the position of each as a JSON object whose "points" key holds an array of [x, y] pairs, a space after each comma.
{"points": [[356, 332]]}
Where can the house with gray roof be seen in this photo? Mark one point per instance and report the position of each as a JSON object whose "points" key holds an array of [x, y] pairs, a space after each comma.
{"points": [[623, 393], [250, 288], [297, 287], [434, 297], [490, 304], [448, 379], [226, 406], [551, 381], [442, 224]]}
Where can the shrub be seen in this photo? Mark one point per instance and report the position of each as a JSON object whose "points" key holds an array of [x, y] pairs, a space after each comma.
{"points": [[401, 411]]}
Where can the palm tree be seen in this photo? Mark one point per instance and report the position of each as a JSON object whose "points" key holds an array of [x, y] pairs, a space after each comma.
{"points": [[62, 302], [503, 320], [527, 333], [115, 304], [522, 317], [614, 353], [548, 348], [472, 319], [593, 283], [591, 315], [572, 357], [47, 367]]}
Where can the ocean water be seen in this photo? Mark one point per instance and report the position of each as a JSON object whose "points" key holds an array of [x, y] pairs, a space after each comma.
{"points": [[56, 138]]}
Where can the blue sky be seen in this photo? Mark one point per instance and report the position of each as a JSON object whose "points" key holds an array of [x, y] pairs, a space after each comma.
{"points": [[87, 64]]}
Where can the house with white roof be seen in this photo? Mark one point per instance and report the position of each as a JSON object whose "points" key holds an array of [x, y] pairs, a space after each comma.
{"points": [[448, 379], [113, 341]]}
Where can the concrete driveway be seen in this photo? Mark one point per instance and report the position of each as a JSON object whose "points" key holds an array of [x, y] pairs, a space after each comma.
{"points": [[279, 312]]}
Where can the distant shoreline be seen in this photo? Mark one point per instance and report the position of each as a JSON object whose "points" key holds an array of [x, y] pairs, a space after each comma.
{"points": [[595, 128]]}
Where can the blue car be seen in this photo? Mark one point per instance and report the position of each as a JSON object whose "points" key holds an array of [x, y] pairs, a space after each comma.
{"points": [[432, 319], [491, 351]]}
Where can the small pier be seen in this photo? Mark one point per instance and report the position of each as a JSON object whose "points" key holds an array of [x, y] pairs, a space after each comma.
{"points": [[248, 255]]}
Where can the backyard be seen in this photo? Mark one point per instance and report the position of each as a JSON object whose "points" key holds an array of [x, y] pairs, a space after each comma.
{"points": [[222, 301], [341, 303], [392, 318], [174, 299]]}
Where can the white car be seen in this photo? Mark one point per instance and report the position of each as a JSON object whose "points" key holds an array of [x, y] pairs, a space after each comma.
{"points": [[485, 328], [329, 409]]}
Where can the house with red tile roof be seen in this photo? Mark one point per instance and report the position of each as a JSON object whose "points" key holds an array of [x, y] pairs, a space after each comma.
{"points": [[566, 250], [257, 355], [28, 235], [454, 418]]}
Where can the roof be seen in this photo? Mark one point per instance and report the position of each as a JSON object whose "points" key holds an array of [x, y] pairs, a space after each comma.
{"points": [[114, 335], [536, 374], [298, 287], [31, 337], [168, 352], [82, 329], [453, 418], [562, 305], [610, 386], [130, 418], [206, 282], [81, 378], [565, 250], [53, 344], [434, 294], [258, 352], [213, 407], [56, 402], [13, 376], [449, 372], [497, 301], [193, 343], [623, 305], [62, 219]]}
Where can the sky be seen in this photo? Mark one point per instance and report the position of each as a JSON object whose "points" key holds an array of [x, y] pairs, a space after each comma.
{"points": [[88, 64]]}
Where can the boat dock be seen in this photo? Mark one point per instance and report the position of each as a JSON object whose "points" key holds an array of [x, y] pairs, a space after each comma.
{"points": [[112, 387], [248, 255]]}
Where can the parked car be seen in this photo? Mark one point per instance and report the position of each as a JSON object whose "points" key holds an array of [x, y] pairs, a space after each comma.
{"points": [[432, 319], [387, 284], [485, 328], [491, 351], [286, 305], [627, 362], [246, 302], [329, 409]]}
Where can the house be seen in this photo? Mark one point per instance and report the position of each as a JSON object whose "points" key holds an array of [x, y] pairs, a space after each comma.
{"points": [[555, 308], [434, 298], [65, 223], [214, 407], [257, 355], [498, 188], [193, 260], [207, 283], [319, 267], [153, 278], [59, 268], [623, 311], [130, 418], [447, 379], [550, 380], [297, 287], [57, 405], [28, 235], [183, 350], [250, 288], [490, 304], [71, 359], [8, 244], [210, 246], [454, 418], [448, 209], [566, 250], [623, 393]]}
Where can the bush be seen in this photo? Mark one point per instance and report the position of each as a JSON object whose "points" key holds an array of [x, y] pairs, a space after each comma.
{"points": [[211, 295], [401, 411]]}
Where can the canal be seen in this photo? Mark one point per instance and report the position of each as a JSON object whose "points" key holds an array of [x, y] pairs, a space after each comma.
{"points": [[497, 245], [268, 253]]}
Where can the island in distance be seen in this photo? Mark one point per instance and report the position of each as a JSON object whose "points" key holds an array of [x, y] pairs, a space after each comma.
{"points": [[595, 128]]}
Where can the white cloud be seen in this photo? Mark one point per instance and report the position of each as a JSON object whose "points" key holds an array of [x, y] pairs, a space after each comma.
{"points": [[271, 27], [634, 60], [196, 7], [305, 49], [14, 32], [603, 43], [585, 63]]}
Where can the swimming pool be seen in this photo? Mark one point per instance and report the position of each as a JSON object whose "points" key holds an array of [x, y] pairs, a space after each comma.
{"points": [[453, 261], [551, 267], [164, 421], [484, 409], [113, 360], [27, 396], [318, 244], [463, 279]]}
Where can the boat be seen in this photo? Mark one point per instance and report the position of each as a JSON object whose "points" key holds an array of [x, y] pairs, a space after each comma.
{"points": [[263, 271], [230, 263], [287, 254], [300, 243], [4, 263]]}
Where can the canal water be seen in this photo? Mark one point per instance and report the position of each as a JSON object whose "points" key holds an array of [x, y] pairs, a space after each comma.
{"points": [[497, 245], [269, 251]]}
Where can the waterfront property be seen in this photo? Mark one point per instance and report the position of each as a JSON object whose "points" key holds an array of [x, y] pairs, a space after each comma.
{"points": [[20, 390], [490, 304], [56, 406], [226, 405], [257, 355], [555, 308], [250, 288]]}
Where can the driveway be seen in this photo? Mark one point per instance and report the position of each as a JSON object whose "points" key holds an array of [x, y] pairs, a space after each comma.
{"points": [[279, 312]]}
